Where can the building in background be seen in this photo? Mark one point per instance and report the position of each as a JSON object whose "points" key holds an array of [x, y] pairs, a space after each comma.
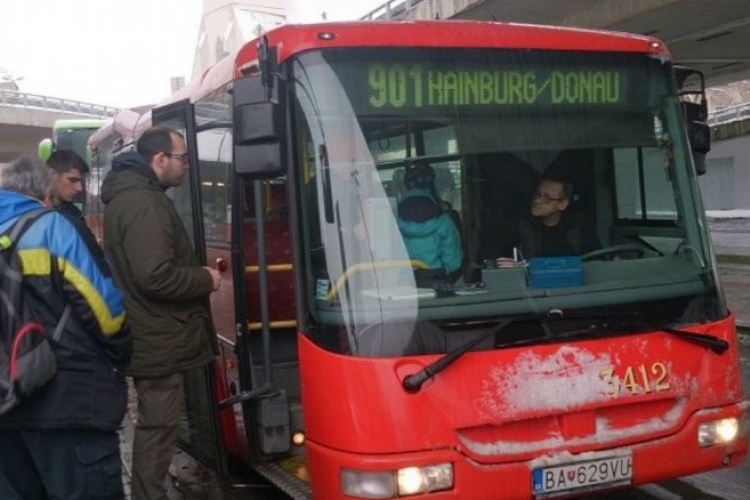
{"points": [[227, 24], [7, 81]]}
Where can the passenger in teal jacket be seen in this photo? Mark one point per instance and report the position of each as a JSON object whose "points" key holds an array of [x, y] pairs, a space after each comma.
{"points": [[425, 221]]}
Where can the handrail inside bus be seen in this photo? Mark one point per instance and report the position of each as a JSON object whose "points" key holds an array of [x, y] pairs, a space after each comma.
{"points": [[368, 266]]}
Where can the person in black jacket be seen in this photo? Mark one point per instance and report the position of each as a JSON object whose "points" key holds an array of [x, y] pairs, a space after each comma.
{"points": [[68, 171], [553, 229], [62, 443]]}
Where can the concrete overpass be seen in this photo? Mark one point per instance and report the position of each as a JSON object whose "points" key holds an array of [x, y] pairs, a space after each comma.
{"points": [[712, 36], [26, 119]]}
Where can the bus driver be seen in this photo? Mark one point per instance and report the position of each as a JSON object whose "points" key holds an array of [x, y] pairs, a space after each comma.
{"points": [[554, 230]]}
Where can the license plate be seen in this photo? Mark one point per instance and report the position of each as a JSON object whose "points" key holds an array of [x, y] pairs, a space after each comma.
{"points": [[557, 480]]}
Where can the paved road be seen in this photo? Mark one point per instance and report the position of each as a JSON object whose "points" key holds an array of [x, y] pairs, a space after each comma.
{"points": [[730, 236]]}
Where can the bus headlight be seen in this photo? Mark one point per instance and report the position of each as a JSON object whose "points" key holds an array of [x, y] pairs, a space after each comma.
{"points": [[413, 480], [718, 432], [393, 484]]}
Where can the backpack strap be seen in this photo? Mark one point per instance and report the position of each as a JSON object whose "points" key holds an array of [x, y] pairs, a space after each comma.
{"points": [[19, 227], [61, 323], [24, 222], [14, 232]]}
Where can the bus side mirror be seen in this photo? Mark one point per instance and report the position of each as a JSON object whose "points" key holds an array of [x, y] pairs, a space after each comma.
{"points": [[699, 133], [258, 129], [692, 92]]}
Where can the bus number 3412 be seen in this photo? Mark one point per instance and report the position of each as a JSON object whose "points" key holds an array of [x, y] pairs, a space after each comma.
{"points": [[638, 379]]}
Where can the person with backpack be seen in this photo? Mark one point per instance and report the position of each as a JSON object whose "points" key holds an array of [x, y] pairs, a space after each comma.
{"points": [[61, 441]]}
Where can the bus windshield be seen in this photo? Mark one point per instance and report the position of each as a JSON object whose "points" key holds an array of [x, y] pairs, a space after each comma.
{"points": [[487, 126], [75, 139]]}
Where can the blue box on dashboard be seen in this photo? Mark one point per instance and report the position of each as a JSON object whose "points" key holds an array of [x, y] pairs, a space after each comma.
{"points": [[555, 272]]}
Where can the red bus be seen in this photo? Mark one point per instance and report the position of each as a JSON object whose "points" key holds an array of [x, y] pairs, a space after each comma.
{"points": [[351, 369]]}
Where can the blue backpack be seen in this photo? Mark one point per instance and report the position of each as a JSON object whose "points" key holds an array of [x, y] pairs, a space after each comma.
{"points": [[27, 351]]}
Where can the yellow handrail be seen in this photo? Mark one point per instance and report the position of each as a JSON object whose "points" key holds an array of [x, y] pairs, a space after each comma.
{"points": [[273, 325], [371, 266], [270, 268]]}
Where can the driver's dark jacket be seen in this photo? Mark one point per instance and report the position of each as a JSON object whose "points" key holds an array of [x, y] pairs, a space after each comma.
{"points": [[571, 236]]}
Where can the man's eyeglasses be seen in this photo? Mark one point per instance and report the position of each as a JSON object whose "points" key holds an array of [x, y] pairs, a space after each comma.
{"points": [[546, 197], [181, 157]]}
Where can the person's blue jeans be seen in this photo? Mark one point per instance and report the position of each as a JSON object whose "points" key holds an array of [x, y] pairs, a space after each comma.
{"points": [[60, 464]]}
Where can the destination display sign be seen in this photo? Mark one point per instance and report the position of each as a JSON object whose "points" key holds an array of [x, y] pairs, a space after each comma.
{"points": [[438, 81], [414, 86]]}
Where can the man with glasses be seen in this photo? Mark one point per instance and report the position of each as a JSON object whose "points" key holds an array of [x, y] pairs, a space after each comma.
{"points": [[166, 291], [553, 229]]}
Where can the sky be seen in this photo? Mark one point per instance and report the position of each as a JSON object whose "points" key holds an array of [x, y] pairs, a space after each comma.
{"points": [[118, 53]]}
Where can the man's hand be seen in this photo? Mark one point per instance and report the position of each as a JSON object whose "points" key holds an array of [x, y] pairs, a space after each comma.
{"points": [[215, 277]]}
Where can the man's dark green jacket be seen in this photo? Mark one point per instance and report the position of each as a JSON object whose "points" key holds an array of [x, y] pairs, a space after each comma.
{"points": [[166, 289]]}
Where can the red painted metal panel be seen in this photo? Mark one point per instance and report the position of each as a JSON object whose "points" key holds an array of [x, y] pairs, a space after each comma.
{"points": [[494, 413]]}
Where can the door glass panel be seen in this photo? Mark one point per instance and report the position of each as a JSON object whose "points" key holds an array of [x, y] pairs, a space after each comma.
{"points": [[182, 194], [199, 428]]}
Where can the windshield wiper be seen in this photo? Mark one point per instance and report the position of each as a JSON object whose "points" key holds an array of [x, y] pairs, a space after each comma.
{"points": [[414, 382], [716, 344]]}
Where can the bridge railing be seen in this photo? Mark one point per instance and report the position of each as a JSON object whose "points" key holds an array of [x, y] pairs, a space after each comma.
{"points": [[728, 114], [22, 99], [390, 9]]}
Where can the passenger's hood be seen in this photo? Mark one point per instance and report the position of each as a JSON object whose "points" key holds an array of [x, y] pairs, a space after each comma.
{"points": [[13, 204], [130, 173]]}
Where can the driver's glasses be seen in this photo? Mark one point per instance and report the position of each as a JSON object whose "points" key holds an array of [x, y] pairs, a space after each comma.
{"points": [[546, 197]]}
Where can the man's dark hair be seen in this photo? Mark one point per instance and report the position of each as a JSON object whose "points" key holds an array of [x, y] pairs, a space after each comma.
{"points": [[420, 176], [65, 160], [567, 190], [155, 140]]}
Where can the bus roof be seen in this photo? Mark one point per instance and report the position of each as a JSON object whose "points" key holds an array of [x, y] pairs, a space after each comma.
{"points": [[123, 123], [292, 39], [449, 33]]}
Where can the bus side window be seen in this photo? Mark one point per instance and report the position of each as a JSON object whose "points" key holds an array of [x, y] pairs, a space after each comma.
{"points": [[215, 188]]}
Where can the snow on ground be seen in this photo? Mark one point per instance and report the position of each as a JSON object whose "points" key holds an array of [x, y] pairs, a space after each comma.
{"points": [[739, 213]]}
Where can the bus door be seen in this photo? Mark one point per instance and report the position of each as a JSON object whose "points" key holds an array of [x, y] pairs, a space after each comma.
{"points": [[269, 344], [220, 192], [200, 429], [267, 338]]}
